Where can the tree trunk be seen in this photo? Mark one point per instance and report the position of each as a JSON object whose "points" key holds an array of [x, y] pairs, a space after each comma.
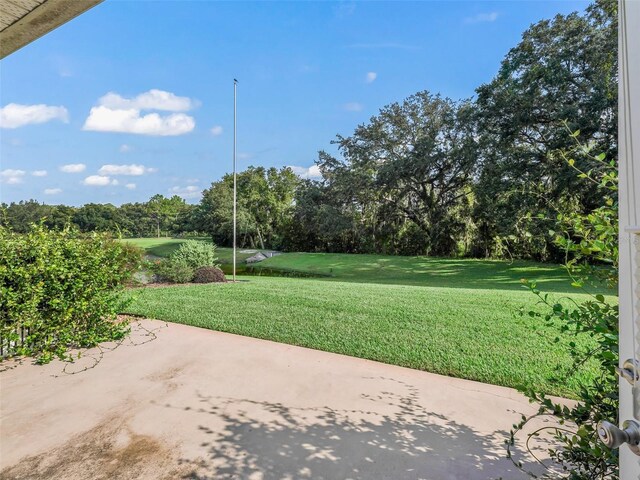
{"points": [[260, 237]]}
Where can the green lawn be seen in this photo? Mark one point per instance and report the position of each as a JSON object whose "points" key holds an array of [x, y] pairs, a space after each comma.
{"points": [[456, 317], [419, 271], [424, 271], [160, 247], [468, 333], [163, 247]]}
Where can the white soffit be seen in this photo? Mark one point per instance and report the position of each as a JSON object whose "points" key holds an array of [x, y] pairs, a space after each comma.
{"points": [[23, 21]]}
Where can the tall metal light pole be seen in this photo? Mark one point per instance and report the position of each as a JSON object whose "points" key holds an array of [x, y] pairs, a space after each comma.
{"points": [[235, 140]]}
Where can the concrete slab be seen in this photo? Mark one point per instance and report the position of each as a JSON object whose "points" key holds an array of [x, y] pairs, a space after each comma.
{"points": [[175, 401]]}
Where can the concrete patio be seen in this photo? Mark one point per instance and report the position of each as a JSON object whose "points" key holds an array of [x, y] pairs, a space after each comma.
{"points": [[174, 401]]}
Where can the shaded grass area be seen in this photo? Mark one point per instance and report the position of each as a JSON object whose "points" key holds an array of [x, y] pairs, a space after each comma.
{"points": [[468, 333], [426, 271]]}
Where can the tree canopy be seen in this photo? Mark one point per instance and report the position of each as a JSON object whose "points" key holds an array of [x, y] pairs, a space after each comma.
{"points": [[479, 177]]}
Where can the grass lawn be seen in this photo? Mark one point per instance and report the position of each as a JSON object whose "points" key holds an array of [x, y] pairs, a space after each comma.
{"points": [[163, 247], [456, 317], [386, 269], [425, 271], [468, 333]]}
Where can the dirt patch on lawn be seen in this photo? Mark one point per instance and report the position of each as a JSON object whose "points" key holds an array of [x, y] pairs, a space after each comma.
{"points": [[111, 450]]}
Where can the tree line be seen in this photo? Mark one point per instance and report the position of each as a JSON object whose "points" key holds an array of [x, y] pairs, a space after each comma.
{"points": [[159, 216], [480, 177]]}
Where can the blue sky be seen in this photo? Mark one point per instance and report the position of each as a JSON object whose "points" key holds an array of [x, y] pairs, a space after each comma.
{"points": [[136, 98]]}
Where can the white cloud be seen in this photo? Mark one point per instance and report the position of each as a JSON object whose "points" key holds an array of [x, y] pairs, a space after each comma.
{"points": [[133, 169], [371, 77], [99, 181], [353, 107], [154, 99], [312, 172], [11, 176], [115, 113], [131, 186], [216, 130], [52, 191], [39, 173], [190, 191], [482, 17], [124, 148], [14, 115], [73, 168], [104, 119], [344, 9], [62, 65]]}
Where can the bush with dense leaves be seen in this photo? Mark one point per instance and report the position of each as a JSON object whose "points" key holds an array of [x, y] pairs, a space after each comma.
{"points": [[174, 271], [182, 264], [590, 241], [63, 288], [195, 254], [209, 275]]}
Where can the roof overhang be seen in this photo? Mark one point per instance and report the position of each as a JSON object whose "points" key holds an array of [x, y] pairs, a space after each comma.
{"points": [[23, 21]]}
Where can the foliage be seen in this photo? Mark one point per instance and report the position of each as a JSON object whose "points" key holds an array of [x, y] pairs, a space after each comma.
{"points": [[175, 271], [563, 72], [182, 262], [19, 216], [96, 217], [591, 243], [63, 287], [164, 247], [427, 174], [403, 178], [209, 275], [195, 254], [158, 215], [320, 222], [265, 200], [166, 213]]}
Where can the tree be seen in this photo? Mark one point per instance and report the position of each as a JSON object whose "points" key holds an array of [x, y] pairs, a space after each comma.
{"points": [[97, 217], [320, 222], [19, 216], [265, 200], [562, 75], [427, 175], [165, 211], [136, 221], [408, 171], [215, 212]]}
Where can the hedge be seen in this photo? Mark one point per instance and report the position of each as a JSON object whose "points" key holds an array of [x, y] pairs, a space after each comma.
{"points": [[62, 289]]}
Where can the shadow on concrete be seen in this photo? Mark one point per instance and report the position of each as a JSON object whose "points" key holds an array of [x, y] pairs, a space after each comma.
{"points": [[245, 439]]}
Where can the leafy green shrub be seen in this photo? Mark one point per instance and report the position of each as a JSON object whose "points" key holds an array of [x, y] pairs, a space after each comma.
{"points": [[175, 271], [590, 241], [209, 275], [195, 254], [63, 288]]}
